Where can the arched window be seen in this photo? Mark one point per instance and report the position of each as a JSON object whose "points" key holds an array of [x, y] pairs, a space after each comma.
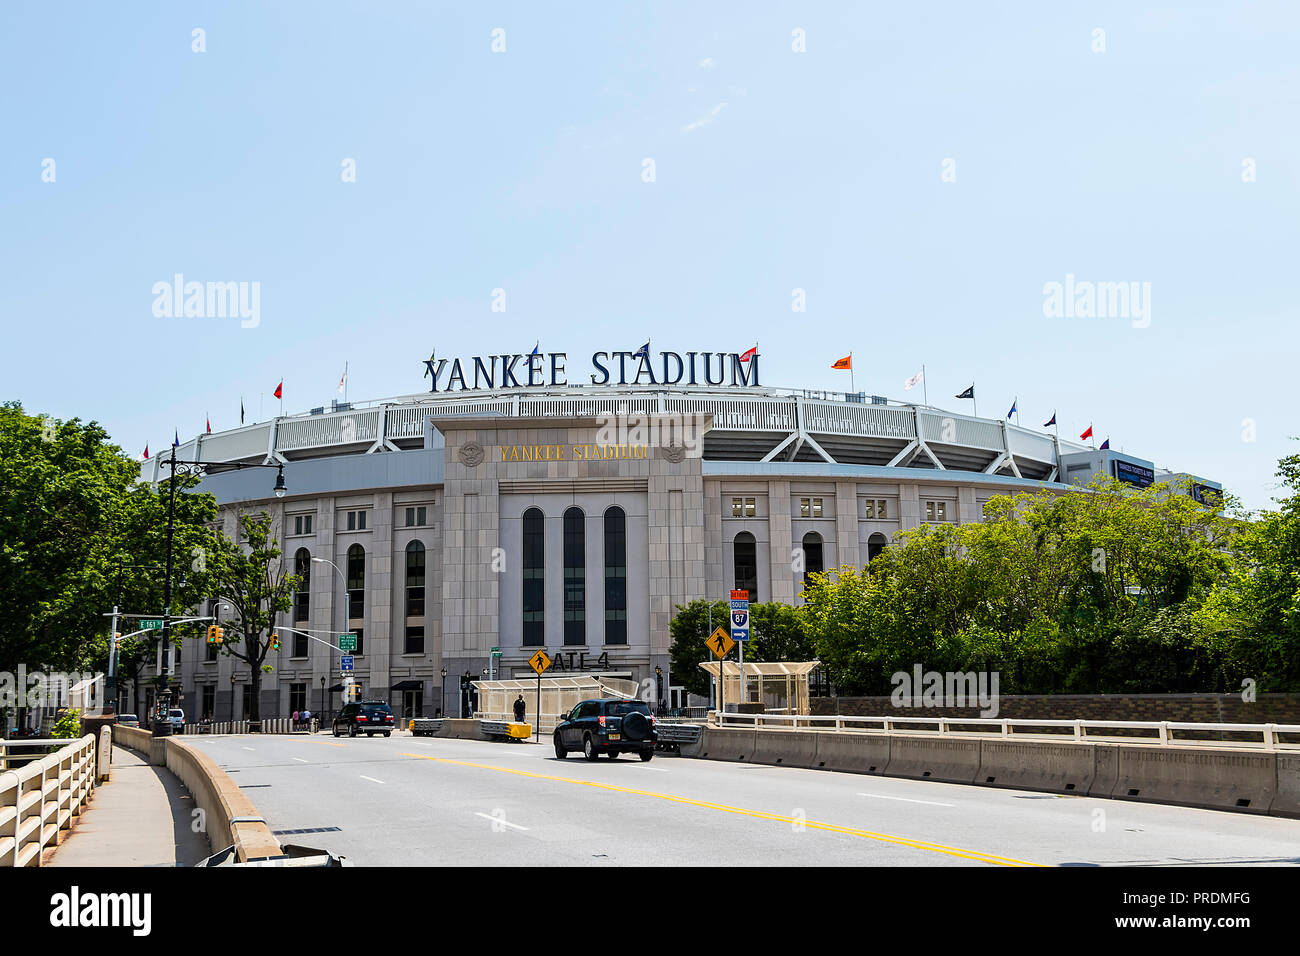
{"points": [[615, 576], [813, 561], [876, 544], [301, 599], [534, 567], [414, 641], [357, 593], [746, 564], [575, 577]]}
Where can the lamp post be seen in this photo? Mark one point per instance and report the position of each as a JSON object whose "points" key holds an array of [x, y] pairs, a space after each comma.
{"points": [[659, 688], [322, 698], [442, 693], [233, 718], [347, 603], [163, 728]]}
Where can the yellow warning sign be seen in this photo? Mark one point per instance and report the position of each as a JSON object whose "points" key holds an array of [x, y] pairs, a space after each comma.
{"points": [[539, 662], [720, 643]]}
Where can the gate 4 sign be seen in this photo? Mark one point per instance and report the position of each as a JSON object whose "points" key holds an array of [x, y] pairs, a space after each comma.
{"points": [[539, 662], [740, 615], [720, 643]]}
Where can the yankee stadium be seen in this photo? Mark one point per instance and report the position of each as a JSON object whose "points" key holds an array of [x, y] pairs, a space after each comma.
{"points": [[532, 501]]}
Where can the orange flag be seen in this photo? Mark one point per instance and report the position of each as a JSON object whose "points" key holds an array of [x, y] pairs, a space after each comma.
{"points": [[846, 362]]}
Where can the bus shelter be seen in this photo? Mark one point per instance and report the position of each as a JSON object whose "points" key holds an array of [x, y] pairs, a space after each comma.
{"points": [[496, 698], [780, 686]]}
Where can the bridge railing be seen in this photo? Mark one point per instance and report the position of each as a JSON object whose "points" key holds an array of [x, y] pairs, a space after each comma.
{"points": [[39, 799], [1166, 733]]}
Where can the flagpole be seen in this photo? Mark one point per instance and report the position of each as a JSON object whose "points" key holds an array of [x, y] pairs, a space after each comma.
{"points": [[281, 395], [925, 386], [851, 385], [261, 404], [973, 403]]}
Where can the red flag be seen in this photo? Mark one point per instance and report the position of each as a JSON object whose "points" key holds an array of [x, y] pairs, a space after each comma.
{"points": [[279, 393], [209, 421], [1087, 433], [846, 362], [146, 452], [750, 354]]}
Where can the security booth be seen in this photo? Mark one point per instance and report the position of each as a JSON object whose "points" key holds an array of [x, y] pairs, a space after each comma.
{"points": [[559, 696], [781, 687]]}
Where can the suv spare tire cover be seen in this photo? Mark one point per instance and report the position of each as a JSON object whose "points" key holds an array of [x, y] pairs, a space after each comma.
{"points": [[635, 726]]}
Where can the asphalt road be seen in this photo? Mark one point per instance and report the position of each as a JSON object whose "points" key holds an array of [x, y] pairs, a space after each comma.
{"points": [[427, 801]]}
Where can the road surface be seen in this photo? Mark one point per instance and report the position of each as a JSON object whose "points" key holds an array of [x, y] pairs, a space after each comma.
{"points": [[428, 801]]}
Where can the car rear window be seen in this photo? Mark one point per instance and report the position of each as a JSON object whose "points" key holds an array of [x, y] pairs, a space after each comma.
{"points": [[369, 709], [623, 707]]}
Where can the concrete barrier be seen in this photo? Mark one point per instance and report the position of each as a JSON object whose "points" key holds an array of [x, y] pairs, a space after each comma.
{"points": [[951, 760], [1105, 769], [1216, 779], [461, 728], [724, 744], [229, 816], [853, 753], [1286, 802], [1038, 765], [786, 748]]}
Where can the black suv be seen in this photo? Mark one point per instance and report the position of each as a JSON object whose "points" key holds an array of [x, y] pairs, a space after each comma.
{"points": [[369, 717], [607, 727]]}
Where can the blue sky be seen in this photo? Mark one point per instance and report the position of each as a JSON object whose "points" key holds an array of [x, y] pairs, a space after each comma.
{"points": [[775, 170]]}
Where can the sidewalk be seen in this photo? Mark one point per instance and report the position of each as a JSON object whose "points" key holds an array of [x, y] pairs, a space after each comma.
{"points": [[139, 817]]}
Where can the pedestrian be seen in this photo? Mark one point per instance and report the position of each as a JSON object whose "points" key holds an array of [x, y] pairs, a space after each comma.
{"points": [[297, 720], [306, 720], [520, 709]]}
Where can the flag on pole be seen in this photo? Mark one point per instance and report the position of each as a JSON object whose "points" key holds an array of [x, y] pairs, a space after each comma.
{"points": [[846, 362], [750, 354], [1052, 421], [344, 380], [969, 393], [146, 452], [643, 351], [208, 418], [279, 390], [1106, 443], [241, 409], [536, 347], [176, 438], [1087, 432], [914, 381], [1013, 407]]}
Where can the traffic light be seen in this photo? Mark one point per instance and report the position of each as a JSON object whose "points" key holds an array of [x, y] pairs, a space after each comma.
{"points": [[117, 639], [275, 641], [212, 633]]}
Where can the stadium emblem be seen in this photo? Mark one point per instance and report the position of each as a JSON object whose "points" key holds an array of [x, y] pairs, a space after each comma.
{"points": [[471, 454]]}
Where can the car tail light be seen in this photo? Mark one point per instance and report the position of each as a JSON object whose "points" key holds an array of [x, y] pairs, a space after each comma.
{"points": [[362, 717], [601, 720]]}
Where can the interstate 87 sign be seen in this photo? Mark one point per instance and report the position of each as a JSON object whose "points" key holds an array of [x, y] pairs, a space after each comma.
{"points": [[740, 615]]}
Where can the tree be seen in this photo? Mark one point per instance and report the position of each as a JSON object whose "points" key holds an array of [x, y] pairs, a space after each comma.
{"points": [[690, 629], [250, 577]]}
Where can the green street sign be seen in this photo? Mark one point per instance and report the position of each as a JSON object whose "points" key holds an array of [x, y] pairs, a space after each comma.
{"points": [[151, 624], [347, 642]]}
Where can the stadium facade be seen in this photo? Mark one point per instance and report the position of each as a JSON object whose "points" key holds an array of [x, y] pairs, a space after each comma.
{"points": [[509, 509]]}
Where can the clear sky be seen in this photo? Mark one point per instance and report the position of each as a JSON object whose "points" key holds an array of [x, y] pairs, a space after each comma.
{"points": [[775, 170]]}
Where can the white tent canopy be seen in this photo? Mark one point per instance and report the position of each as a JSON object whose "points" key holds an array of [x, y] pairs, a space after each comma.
{"points": [[780, 686]]}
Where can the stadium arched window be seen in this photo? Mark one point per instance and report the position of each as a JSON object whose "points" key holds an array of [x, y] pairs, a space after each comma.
{"points": [[357, 593], [301, 599], [534, 569], [615, 576], [575, 577], [746, 564], [813, 560], [875, 545], [414, 638]]}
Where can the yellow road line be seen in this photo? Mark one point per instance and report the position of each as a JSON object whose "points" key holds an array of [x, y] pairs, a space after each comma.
{"points": [[756, 814], [324, 743]]}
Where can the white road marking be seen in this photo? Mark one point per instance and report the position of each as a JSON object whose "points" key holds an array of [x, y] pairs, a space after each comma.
{"points": [[301, 760], [881, 796], [248, 748], [371, 779], [504, 823]]}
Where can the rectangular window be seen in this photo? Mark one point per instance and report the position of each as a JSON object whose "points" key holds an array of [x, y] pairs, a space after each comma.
{"points": [[209, 702], [929, 511], [352, 521], [942, 510], [877, 508], [302, 524], [416, 517], [212, 651], [750, 508], [737, 507], [297, 697], [300, 645], [414, 640], [534, 573], [805, 507], [356, 521], [869, 508], [816, 507], [936, 511]]}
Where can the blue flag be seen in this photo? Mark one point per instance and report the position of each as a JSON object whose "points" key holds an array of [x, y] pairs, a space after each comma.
{"points": [[535, 349], [1106, 443], [1013, 407], [643, 351]]}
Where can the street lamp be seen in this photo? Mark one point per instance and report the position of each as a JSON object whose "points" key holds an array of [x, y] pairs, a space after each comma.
{"points": [[659, 687], [442, 689], [195, 468], [347, 598]]}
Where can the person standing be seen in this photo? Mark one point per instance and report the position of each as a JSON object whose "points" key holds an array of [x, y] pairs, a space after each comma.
{"points": [[520, 709]]}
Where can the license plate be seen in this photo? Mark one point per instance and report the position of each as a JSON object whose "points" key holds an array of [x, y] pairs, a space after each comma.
{"points": [[615, 736]]}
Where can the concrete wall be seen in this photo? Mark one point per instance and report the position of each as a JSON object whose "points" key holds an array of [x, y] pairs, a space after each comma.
{"points": [[1192, 708], [1248, 781]]}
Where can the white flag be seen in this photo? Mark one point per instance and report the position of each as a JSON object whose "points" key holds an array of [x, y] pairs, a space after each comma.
{"points": [[914, 381], [344, 380]]}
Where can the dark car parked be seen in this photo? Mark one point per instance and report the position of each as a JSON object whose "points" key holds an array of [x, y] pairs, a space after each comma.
{"points": [[369, 717], [610, 727]]}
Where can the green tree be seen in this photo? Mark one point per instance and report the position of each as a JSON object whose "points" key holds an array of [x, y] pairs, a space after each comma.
{"points": [[689, 629], [249, 575]]}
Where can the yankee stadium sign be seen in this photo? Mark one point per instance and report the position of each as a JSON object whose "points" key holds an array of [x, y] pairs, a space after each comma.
{"points": [[641, 367]]}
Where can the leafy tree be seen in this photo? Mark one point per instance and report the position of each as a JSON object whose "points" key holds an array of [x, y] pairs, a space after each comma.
{"points": [[690, 629], [250, 576]]}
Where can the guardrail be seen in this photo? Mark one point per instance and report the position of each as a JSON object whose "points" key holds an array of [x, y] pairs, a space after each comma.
{"points": [[270, 725], [39, 800], [1162, 732]]}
